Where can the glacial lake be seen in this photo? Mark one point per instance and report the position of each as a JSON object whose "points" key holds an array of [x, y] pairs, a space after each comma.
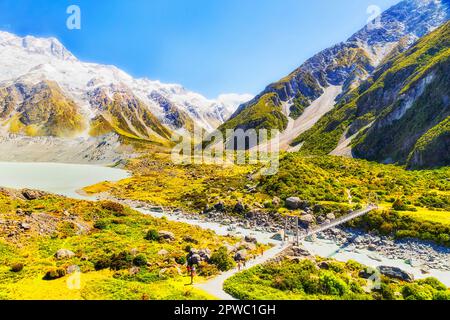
{"points": [[62, 179]]}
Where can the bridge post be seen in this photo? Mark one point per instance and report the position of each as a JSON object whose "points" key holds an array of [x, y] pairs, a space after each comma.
{"points": [[285, 229]]}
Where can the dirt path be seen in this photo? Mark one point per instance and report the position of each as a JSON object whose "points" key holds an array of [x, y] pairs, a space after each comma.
{"points": [[215, 286]]}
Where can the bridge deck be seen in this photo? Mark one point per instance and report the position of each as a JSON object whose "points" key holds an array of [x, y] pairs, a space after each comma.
{"points": [[339, 221]]}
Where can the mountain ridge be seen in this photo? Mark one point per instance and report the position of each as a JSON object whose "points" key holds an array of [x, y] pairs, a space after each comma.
{"points": [[346, 64]]}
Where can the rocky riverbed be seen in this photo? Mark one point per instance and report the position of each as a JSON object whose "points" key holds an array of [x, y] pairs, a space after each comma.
{"points": [[418, 254], [424, 255]]}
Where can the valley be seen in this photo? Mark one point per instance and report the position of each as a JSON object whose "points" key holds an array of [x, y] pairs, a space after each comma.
{"points": [[93, 205]]}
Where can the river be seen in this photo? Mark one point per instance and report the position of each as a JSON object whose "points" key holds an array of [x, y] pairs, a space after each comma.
{"points": [[68, 179]]}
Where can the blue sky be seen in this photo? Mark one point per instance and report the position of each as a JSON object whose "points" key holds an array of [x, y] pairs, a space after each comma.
{"points": [[209, 46]]}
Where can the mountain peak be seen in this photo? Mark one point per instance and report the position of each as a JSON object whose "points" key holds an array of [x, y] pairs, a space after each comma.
{"points": [[43, 46]]}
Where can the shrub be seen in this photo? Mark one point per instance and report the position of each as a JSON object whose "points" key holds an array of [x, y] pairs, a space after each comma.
{"points": [[398, 205], [387, 292], [434, 283], [116, 208], [120, 261], [331, 284], [181, 260], [207, 270], [222, 260], [17, 267], [101, 224], [414, 291], [152, 235], [140, 260], [55, 273], [103, 263]]}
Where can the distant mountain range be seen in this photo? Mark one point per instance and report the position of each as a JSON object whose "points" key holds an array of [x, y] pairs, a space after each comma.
{"points": [[347, 98], [381, 95], [46, 91]]}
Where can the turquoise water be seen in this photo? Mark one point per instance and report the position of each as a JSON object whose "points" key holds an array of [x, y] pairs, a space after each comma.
{"points": [[62, 179]]}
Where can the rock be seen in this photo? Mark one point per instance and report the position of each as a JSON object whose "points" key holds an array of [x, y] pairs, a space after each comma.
{"points": [[251, 239], [64, 254], [293, 203], [247, 245], [220, 206], [25, 226], [134, 270], [396, 273], [163, 252], [190, 239], [331, 216], [239, 207], [166, 235], [413, 263], [276, 201], [32, 194], [367, 273], [307, 219], [279, 236], [324, 265], [205, 254], [300, 251], [240, 255], [372, 247]]}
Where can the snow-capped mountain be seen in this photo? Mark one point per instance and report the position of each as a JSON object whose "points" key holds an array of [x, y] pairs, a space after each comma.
{"points": [[29, 61], [298, 101]]}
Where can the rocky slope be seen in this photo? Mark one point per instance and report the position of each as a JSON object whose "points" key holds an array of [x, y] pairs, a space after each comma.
{"points": [[347, 65], [45, 91], [399, 115]]}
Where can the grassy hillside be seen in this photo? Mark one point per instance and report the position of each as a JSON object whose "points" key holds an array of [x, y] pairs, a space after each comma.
{"points": [[405, 98], [324, 182], [110, 245], [318, 279]]}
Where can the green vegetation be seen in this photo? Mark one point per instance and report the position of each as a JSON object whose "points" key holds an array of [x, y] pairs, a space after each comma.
{"points": [[412, 203], [326, 280], [108, 243], [265, 113], [406, 127]]}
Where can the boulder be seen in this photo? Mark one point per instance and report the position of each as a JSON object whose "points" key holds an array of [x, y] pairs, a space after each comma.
{"points": [[240, 255], [331, 216], [64, 254], [163, 252], [251, 239], [396, 273], [367, 273], [300, 252], [166, 235], [239, 207], [307, 219], [276, 201], [205, 254], [220, 206], [324, 265], [25, 226], [32, 194], [293, 203]]}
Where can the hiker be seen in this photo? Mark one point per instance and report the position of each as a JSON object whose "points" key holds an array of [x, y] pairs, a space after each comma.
{"points": [[193, 274]]}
